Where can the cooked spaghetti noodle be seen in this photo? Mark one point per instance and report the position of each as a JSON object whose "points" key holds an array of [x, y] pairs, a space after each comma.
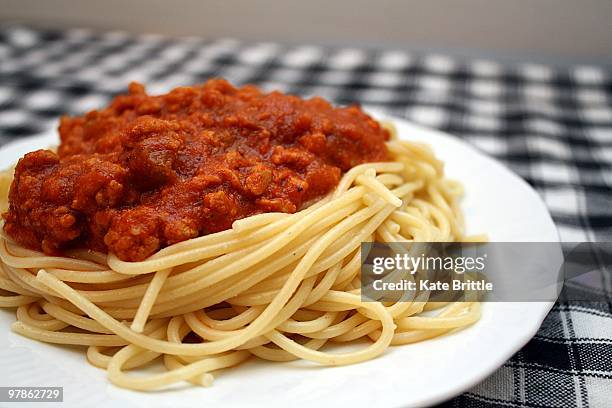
{"points": [[275, 286]]}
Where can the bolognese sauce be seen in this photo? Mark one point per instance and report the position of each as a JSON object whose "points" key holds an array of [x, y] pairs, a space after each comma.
{"points": [[150, 171]]}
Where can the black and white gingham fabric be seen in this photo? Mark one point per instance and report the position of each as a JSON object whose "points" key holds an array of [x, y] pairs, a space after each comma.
{"points": [[553, 127]]}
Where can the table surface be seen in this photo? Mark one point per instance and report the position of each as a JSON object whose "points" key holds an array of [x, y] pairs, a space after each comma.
{"points": [[550, 125]]}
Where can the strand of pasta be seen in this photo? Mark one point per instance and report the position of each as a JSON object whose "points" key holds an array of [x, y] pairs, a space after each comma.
{"points": [[142, 314]]}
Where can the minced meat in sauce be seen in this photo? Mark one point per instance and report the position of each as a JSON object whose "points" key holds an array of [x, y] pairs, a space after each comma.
{"points": [[150, 171]]}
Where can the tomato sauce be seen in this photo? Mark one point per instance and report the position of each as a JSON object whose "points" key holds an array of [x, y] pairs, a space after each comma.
{"points": [[150, 171]]}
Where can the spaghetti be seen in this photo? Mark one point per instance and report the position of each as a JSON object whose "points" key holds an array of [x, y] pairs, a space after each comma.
{"points": [[275, 286]]}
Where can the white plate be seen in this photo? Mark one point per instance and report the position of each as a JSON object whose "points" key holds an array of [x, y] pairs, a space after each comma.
{"points": [[496, 202]]}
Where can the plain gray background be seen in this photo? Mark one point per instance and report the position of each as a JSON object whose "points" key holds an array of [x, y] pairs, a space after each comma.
{"points": [[552, 30]]}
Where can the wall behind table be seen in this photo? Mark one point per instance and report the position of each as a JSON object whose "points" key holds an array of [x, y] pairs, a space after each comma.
{"points": [[557, 28]]}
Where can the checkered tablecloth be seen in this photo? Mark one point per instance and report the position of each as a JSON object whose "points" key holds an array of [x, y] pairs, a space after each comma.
{"points": [[551, 126]]}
